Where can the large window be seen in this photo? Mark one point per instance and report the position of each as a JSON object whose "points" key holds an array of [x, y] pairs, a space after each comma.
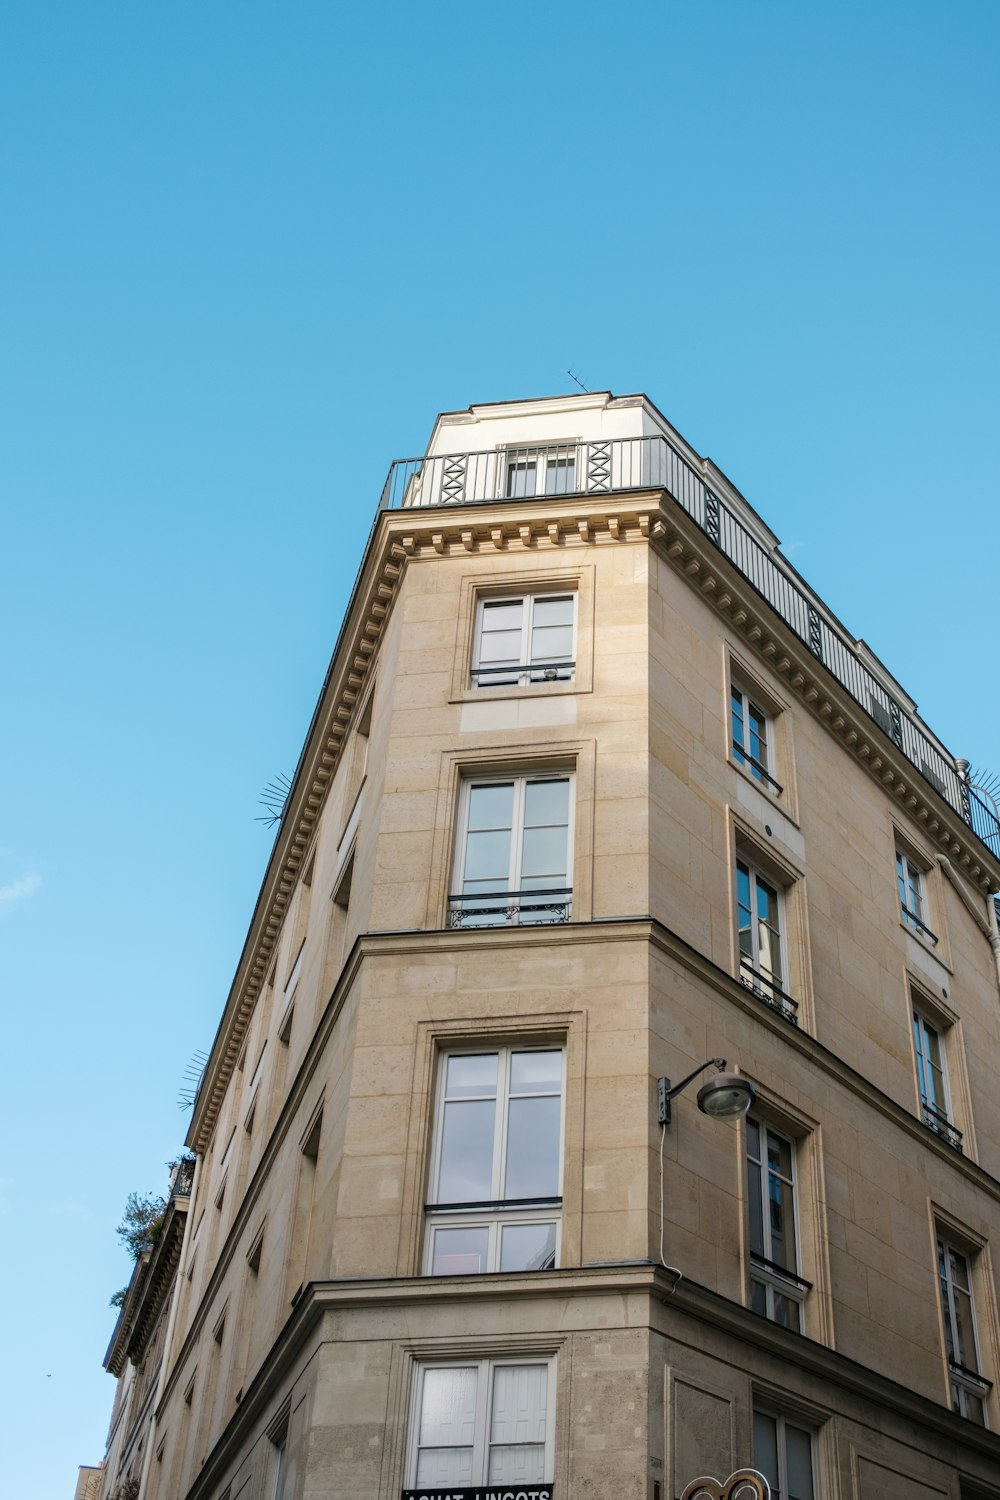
{"points": [[932, 1078], [783, 1453], [912, 886], [482, 1422], [759, 930], [751, 736], [541, 471], [513, 857], [496, 1180], [776, 1288], [524, 638], [968, 1388]]}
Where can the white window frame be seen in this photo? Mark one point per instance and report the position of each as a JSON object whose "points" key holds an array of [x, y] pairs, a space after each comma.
{"points": [[545, 460], [510, 906], [753, 973], [753, 748], [485, 1383], [779, 1490], [911, 887], [496, 1214], [525, 671], [775, 1280], [934, 1095], [967, 1384]]}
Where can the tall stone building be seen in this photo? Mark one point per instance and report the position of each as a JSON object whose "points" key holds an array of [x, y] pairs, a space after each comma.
{"points": [[598, 795]]}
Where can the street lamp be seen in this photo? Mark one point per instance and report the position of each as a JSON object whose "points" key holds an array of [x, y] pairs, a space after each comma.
{"points": [[725, 1096]]}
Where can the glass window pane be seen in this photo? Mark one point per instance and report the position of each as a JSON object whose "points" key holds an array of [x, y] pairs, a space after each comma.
{"points": [[503, 614], [554, 643], [758, 1298], [448, 1406], [535, 1072], [546, 803], [444, 1468], [527, 1247], [460, 1252], [469, 1076], [755, 1206], [520, 1394], [500, 645], [765, 1447], [466, 1174], [487, 858], [491, 806], [517, 1466], [798, 1451], [553, 609], [543, 855], [521, 477], [533, 1148], [787, 1312]]}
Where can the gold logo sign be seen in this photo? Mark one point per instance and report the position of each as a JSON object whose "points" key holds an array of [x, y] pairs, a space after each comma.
{"points": [[745, 1484]]}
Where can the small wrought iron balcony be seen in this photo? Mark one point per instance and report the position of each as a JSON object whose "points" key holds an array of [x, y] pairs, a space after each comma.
{"points": [[510, 908], [183, 1178], [941, 1125], [552, 471], [765, 989]]}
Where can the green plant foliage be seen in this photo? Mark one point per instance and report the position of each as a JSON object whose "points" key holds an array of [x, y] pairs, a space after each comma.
{"points": [[141, 1222]]}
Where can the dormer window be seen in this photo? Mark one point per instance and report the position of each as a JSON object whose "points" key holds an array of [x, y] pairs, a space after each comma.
{"points": [[549, 470]]}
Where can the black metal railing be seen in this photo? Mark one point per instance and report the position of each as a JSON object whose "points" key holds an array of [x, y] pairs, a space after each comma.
{"points": [[776, 1273], [746, 759], [765, 989], [510, 908], [941, 1125], [183, 1179], [502, 676], [912, 920], [654, 462]]}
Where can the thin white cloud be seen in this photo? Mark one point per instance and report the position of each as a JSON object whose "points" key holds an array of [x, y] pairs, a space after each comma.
{"points": [[18, 890]]}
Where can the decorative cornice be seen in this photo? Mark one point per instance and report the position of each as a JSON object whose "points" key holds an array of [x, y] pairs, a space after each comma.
{"points": [[707, 570], [148, 1291]]}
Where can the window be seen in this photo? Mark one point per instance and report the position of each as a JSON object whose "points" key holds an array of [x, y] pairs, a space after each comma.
{"points": [[912, 894], [758, 922], [279, 1444], [783, 1453], [751, 734], [776, 1289], [524, 638], [513, 858], [482, 1422], [549, 470], [932, 1079], [968, 1388], [496, 1182]]}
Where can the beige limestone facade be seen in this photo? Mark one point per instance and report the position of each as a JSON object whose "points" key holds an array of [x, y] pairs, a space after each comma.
{"points": [[596, 789]]}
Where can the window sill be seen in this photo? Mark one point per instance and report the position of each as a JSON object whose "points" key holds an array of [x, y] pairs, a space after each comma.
{"points": [[781, 803], [473, 694]]}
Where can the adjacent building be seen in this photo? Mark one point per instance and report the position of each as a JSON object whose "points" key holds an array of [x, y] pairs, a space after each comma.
{"points": [[598, 794]]}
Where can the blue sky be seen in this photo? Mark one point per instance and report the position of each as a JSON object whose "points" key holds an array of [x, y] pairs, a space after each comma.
{"points": [[248, 252]]}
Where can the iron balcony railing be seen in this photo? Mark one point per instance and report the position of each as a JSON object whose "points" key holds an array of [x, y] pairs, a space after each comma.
{"points": [[510, 908], [653, 462], [765, 989], [912, 920], [941, 1125]]}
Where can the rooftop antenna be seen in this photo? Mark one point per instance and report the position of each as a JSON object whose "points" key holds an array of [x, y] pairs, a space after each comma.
{"points": [[193, 1074], [273, 799], [577, 381]]}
